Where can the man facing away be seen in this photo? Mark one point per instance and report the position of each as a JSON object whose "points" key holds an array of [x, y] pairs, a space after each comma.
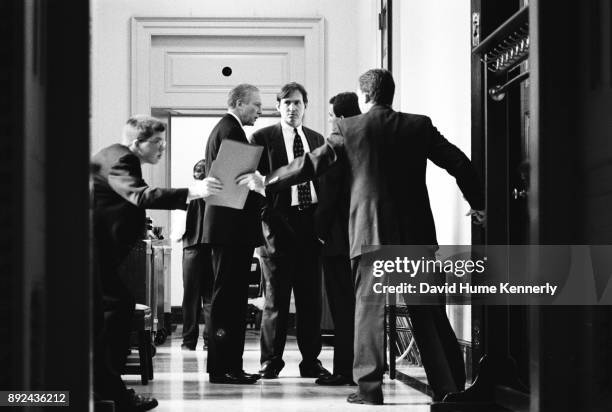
{"points": [[385, 153], [232, 235], [331, 223], [290, 254], [120, 199]]}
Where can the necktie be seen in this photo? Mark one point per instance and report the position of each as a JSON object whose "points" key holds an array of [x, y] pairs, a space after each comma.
{"points": [[304, 195]]}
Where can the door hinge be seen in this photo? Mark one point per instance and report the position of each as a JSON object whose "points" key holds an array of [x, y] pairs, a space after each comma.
{"points": [[475, 29]]}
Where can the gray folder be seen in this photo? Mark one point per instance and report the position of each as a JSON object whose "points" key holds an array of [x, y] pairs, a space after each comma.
{"points": [[234, 158]]}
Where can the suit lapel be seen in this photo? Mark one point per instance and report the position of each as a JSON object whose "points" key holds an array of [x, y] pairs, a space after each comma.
{"points": [[277, 143], [313, 142], [278, 158]]}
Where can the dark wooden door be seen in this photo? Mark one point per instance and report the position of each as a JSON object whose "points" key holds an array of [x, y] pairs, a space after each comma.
{"points": [[501, 144]]}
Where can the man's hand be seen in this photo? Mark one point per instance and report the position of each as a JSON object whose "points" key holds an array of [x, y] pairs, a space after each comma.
{"points": [[204, 188], [254, 181], [479, 217]]}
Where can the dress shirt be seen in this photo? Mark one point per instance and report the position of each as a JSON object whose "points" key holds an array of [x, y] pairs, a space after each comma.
{"points": [[288, 136]]}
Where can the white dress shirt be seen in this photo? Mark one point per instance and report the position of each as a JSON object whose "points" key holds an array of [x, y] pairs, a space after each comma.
{"points": [[288, 136]]}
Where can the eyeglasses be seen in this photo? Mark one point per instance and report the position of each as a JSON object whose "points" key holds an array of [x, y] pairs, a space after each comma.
{"points": [[161, 143]]}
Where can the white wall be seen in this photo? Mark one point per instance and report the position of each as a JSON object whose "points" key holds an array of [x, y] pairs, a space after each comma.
{"points": [[432, 52], [346, 58]]}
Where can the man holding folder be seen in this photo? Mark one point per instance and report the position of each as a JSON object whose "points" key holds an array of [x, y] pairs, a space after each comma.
{"points": [[232, 235]]}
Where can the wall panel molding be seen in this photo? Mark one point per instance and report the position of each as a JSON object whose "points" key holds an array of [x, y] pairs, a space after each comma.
{"points": [[152, 89]]}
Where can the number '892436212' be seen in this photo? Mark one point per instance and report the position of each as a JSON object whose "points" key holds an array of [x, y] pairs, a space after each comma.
{"points": [[34, 398]]}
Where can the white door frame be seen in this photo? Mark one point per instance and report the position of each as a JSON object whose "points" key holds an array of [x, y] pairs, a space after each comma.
{"points": [[311, 29]]}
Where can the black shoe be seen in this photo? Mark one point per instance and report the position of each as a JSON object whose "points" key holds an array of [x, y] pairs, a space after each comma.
{"points": [[271, 369], [335, 380], [184, 346], [135, 403], [313, 370], [356, 398], [233, 378], [255, 376]]}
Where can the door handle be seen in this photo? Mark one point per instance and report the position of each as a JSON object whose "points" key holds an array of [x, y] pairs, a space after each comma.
{"points": [[519, 194]]}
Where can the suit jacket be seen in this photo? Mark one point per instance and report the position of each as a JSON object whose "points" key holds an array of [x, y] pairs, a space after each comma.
{"points": [[332, 214], [120, 199], [224, 225], [194, 222], [385, 153], [276, 230]]}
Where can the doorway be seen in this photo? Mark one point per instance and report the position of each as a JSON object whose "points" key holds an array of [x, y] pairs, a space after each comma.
{"points": [[187, 138], [190, 64]]}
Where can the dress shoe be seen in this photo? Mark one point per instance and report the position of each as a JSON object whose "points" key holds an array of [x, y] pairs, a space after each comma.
{"points": [[335, 380], [356, 398], [233, 378], [313, 370], [186, 347], [255, 376], [270, 369], [133, 402]]}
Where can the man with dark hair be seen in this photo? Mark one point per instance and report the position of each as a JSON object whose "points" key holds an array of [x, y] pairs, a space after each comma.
{"points": [[198, 277], [120, 199], [331, 222], [343, 105], [290, 253], [232, 235], [385, 153]]}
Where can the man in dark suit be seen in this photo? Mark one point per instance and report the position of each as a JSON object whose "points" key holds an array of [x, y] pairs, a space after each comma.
{"points": [[385, 153], [232, 235], [120, 199], [331, 222], [198, 276], [290, 254]]}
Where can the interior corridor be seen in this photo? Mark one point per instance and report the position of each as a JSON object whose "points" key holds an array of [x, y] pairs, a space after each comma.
{"points": [[181, 385]]}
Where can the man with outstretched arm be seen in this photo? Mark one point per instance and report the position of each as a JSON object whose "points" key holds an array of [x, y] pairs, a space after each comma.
{"points": [[385, 153]]}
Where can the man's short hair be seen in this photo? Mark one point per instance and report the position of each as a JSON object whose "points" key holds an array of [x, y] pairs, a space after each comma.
{"points": [[141, 127], [242, 93], [289, 88], [199, 170], [345, 104], [379, 85]]}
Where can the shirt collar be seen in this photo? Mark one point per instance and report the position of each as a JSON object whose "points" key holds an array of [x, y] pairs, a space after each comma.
{"points": [[289, 129], [235, 117]]}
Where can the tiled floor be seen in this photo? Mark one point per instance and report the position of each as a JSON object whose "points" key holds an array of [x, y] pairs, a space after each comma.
{"points": [[181, 385]]}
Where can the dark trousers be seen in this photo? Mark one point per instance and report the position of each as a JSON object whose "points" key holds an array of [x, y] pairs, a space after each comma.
{"points": [[297, 269], [113, 309], [231, 266], [198, 280], [434, 336], [341, 296], [119, 304]]}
